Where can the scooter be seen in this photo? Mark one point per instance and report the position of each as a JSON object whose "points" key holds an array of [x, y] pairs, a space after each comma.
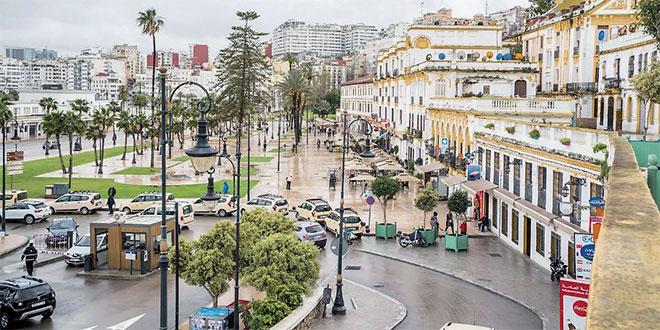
{"points": [[414, 239], [558, 269]]}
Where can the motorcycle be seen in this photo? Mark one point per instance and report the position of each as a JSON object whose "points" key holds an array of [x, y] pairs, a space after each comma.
{"points": [[415, 239], [557, 269]]}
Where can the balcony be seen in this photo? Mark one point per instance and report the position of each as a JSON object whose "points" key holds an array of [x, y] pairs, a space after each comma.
{"points": [[528, 191], [489, 66], [588, 87], [502, 104], [612, 83], [541, 196]]}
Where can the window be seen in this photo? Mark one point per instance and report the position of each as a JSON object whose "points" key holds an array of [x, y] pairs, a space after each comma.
{"points": [[596, 190], [495, 220], [505, 219], [541, 178], [540, 239], [631, 66], [170, 241], [514, 226], [555, 245], [488, 165], [486, 90], [132, 241], [507, 170], [557, 185], [516, 176]]}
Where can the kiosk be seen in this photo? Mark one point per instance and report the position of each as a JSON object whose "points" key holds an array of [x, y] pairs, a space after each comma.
{"points": [[133, 242]]}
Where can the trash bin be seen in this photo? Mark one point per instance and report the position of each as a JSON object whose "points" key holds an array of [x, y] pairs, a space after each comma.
{"points": [[87, 259]]}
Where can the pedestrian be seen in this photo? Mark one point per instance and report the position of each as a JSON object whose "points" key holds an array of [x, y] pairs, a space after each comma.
{"points": [[30, 255], [483, 223], [318, 144], [289, 179], [111, 204], [265, 146], [112, 191], [449, 223], [225, 188], [434, 221]]}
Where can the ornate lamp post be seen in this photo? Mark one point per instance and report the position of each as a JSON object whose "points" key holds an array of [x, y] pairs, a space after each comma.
{"points": [[338, 306]]}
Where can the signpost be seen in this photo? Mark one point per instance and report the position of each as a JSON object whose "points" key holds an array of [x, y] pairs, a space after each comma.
{"points": [[573, 303], [370, 201], [444, 145], [14, 165], [584, 255], [334, 247]]}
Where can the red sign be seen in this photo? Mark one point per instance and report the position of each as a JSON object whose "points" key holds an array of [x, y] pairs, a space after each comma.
{"points": [[573, 304]]}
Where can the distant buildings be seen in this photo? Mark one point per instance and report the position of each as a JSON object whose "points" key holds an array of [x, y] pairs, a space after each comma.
{"points": [[30, 54], [167, 58], [132, 58], [199, 55]]}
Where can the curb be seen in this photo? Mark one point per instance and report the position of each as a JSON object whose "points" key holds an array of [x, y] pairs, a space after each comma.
{"points": [[49, 261], [544, 319], [18, 247], [298, 315], [403, 311]]}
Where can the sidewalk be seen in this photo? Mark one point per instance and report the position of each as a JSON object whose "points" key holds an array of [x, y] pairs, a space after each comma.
{"points": [[488, 264], [364, 306], [11, 243]]}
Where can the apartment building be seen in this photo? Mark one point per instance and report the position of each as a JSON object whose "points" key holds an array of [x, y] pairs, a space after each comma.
{"points": [[323, 40], [132, 59]]}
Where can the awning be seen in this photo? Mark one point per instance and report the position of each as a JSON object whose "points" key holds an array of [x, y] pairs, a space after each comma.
{"points": [[452, 180], [505, 195], [535, 212], [476, 186], [431, 167]]}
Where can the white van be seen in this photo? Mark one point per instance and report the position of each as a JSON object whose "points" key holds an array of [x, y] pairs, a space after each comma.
{"points": [[186, 213]]}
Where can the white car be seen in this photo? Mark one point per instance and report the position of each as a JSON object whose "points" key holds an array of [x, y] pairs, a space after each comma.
{"points": [[84, 202], [186, 213], [29, 211], [142, 201], [223, 207], [271, 202], [75, 255]]}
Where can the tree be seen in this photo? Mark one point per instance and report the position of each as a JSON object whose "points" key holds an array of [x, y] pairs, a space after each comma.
{"points": [[48, 104], [385, 188], [10, 94], [322, 109], [207, 262], [124, 124], [151, 23], [92, 133], [5, 112], [265, 313], [458, 202], [334, 98], [103, 119], [649, 17], [292, 59], [540, 7], [295, 89], [53, 125], [647, 84], [427, 199], [72, 124], [114, 108], [139, 101]]}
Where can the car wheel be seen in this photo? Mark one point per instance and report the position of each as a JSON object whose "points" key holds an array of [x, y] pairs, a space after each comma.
{"points": [[84, 211], [126, 210], [52, 210], [47, 314], [4, 321], [297, 215], [29, 219], [242, 211], [222, 213]]}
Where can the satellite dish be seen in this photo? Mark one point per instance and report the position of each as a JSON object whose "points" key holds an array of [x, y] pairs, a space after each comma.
{"points": [[428, 57], [442, 56], [461, 55]]}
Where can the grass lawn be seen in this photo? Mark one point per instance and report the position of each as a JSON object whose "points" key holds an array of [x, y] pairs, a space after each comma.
{"points": [[138, 171], [259, 159], [35, 185]]}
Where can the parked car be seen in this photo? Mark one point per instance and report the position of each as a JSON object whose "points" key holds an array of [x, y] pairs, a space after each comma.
{"points": [[222, 207], [50, 145], [186, 213], [144, 200], [59, 230], [83, 202], [28, 211], [314, 209], [311, 231], [272, 202], [25, 297], [75, 255], [14, 196], [352, 222]]}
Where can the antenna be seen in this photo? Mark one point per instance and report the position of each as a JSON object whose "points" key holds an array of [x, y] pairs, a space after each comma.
{"points": [[421, 11]]}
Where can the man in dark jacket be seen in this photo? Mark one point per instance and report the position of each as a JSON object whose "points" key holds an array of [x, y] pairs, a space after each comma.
{"points": [[449, 223], [111, 199], [30, 255]]}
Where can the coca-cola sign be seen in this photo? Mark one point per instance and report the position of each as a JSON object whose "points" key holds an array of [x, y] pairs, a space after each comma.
{"points": [[580, 308]]}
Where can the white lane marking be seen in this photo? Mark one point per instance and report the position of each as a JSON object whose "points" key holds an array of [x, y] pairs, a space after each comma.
{"points": [[90, 328], [126, 324]]}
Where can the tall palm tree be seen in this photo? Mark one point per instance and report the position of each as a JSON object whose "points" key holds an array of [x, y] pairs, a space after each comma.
{"points": [[292, 59], [113, 109], [92, 133], [48, 104], [295, 89], [81, 109], [5, 112], [103, 119], [124, 124], [53, 125], [139, 101], [151, 23]]}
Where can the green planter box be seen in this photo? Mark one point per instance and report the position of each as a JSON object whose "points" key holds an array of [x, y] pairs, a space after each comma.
{"points": [[386, 230], [430, 235], [456, 243]]}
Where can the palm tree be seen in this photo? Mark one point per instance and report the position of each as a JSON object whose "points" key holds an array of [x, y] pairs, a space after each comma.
{"points": [[92, 133], [292, 59], [53, 125], [139, 101], [81, 109], [124, 124], [5, 112], [151, 23], [48, 104], [295, 89], [72, 124], [103, 119], [113, 109]]}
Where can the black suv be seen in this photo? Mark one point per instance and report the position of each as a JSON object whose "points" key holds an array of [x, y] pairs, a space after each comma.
{"points": [[25, 297]]}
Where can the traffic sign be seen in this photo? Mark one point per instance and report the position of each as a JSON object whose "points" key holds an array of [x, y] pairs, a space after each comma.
{"points": [[370, 200], [444, 145], [334, 247]]}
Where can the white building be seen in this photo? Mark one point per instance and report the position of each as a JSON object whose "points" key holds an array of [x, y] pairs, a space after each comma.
{"points": [[132, 59], [336, 69], [79, 74], [12, 73]]}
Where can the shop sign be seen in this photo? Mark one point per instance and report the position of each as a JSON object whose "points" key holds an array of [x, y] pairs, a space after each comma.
{"points": [[444, 145], [584, 255], [573, 304], [473, 172]]}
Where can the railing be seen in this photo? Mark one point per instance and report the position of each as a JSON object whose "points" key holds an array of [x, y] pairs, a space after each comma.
{"points": [[591, 87], [541, 199], [612, 82], [516, 186], [528, 191], [506, 104]]}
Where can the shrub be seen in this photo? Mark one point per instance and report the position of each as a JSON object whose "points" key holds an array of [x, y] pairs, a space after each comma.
{"points": [[489, 126], [565, 141], [534, 134], [265, 313], [510, 129]]}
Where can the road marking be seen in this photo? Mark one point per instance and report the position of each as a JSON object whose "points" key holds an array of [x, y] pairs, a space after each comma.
{"points": [[126, 324], [90, 328]]}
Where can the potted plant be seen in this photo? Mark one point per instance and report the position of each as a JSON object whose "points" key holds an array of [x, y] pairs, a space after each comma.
{"points": [[565, 141], [458, 204], [510, 129], [384, 188], [489, 126], [535, 134], [427, 199]]}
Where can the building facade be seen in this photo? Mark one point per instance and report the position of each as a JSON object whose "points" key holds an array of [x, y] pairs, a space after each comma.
{"points": [[199, 55], [132, 59], [30, 54]]}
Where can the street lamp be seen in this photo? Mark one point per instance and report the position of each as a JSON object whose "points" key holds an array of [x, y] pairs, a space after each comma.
{"points": [[565, 192], [4, 172], [338, 307], [279, 140]]}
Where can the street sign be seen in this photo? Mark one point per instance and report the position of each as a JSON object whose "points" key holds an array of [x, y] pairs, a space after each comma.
{"points": [[334, 247], [15, 156], [130, 255], [444, 145], [370, 200], [15, 162]]}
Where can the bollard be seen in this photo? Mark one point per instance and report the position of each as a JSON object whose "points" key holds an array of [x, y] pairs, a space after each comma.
{"points": [[652, 179]]}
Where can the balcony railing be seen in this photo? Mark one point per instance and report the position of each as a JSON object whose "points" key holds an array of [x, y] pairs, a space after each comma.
{"points": [[541, 200], [505, 104], [612, 82], [528, 191], [590, 87], [516, 186]]}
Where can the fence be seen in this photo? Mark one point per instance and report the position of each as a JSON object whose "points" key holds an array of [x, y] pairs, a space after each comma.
{"points": [[55, 244]]}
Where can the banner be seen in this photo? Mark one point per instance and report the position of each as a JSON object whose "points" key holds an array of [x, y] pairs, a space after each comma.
{"points": [[584, 255], [573, 303]]}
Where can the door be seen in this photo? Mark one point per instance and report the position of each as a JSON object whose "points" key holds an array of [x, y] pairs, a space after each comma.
{"points": [[527, 236], [486, 204], [520, 88], [62, 203], [101, 247], [610, 113]]}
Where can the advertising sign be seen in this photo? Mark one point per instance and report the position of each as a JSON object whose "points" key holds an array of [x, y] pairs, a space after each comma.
{"points": [[573, 303], [584, 255], [15, 162], [444, 145], [473, 172]]}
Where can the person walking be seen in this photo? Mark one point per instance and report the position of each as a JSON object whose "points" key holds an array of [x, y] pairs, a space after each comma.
{"points": [[111, 199], [318, 144], [449, 223], [265, 145], [483, 223], [30, 255], [289, 179], [225, 188], [434, 221]]}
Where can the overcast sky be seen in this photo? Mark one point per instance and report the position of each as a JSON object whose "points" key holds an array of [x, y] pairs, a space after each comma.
{"points": [[71, 25]]}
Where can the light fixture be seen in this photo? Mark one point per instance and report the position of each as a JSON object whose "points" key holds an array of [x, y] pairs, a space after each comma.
{"points": [[202, 155], [367, 149]]}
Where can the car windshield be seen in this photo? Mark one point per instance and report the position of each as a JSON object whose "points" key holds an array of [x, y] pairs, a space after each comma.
{"points": [[62, 224], [84, 241], [314, 229], [34, 291], [323, 208], [351, 219], [187, 209], [40, 206], [281, 202]]}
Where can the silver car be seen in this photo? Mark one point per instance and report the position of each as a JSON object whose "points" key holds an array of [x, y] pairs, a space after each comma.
{"points": [[311, 231]]}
